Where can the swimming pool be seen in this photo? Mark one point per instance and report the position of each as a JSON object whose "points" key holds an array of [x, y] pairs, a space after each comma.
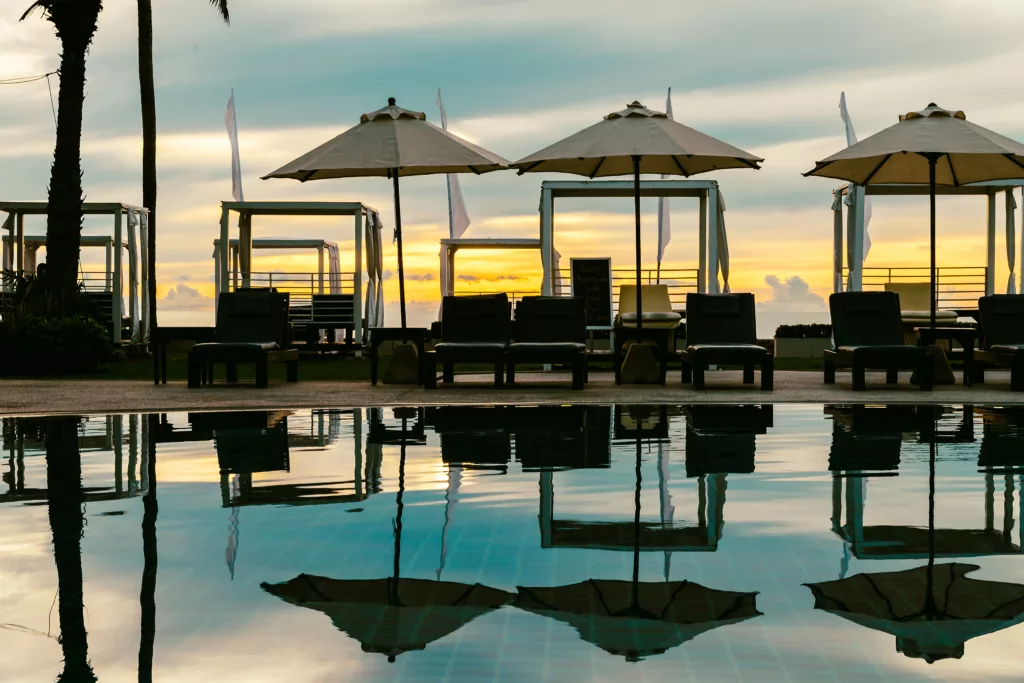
{"points": [[519, 543]]}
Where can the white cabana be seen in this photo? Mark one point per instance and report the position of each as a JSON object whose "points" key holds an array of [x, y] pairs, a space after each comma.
{"points": [[712, 246], [326, 280], [958, 287], [130, 224], [234, 257]]}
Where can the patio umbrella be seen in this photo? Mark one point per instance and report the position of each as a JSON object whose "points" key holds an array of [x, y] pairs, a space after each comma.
{"points": [[934, 146], [392, 142], [933, 610], [392, 615], [633, 141], [636, 618]]}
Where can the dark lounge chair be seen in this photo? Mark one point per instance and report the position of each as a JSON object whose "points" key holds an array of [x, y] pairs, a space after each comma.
{"points": [[474, 329], [720, 330], [868, 333], [1002, 321], [252, 327], [550, 330]]}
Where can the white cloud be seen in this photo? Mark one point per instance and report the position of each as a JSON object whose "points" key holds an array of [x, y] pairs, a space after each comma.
{"points": [[791, 294], [185, 298]]}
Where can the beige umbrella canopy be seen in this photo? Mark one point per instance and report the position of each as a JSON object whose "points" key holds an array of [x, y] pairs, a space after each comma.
{"points": [[934, 146], [633, 141], [392, 142]]}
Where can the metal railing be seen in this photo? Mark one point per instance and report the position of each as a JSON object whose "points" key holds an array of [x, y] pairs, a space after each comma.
{"points": [[300, 287], [96, 281], [679, 282], [957, 287]]}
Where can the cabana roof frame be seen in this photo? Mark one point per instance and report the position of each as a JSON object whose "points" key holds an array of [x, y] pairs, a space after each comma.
{"points": [[364, 216], [854, 222]]}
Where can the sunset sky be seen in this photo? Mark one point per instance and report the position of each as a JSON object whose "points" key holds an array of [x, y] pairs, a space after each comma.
{"points": [[518, 75]]}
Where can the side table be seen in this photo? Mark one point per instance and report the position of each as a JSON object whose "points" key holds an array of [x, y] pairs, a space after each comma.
{"points": [[660, 336], [965, 336], [379, 335], [164, 335]]}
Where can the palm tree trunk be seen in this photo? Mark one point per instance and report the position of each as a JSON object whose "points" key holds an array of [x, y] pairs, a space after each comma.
{"points": [[75, 24], [147, 595], [148, 93], [64, 486]]}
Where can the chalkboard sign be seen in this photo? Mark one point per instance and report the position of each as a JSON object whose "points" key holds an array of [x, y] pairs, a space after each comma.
{"points": [[592, 280]]}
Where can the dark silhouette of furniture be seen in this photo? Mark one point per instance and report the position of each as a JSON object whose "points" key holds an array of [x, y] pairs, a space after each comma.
{"points": [[1002, 320], [549, 330], [474, 329], [721, 330], [867, 332], [252, 327]]}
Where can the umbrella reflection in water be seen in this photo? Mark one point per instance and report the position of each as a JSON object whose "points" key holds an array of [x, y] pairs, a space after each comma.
{"points": [[934, 609], [636, 618], [392, 615]]}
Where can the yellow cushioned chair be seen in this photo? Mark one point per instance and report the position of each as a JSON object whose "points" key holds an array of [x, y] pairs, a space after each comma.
{"points": [[657, 307]]}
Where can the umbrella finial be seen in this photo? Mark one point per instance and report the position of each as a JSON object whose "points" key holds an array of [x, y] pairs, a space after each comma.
{"points": [[391, 101]]}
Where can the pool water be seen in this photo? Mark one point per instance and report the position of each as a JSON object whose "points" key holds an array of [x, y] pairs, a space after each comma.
{"points": [[575, 543]]}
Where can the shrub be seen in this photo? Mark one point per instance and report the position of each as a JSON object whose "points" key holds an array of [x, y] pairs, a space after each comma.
{"points": [[50, 346], [817, 331]]}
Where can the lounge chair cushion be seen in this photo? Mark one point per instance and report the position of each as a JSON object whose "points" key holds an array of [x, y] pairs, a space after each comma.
{"points": [[656, 316], [914, 316], [497, 347], [882, 348], [549, 347], [752, 348], [1007, 348], [230, 347]]}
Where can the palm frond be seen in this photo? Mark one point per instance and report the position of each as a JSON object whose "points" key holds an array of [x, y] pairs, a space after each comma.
{"points": [[222, 7], [40, 5]]}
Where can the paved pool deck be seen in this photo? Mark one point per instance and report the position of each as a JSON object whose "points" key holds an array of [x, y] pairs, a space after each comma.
{"points": [[33, 397]]}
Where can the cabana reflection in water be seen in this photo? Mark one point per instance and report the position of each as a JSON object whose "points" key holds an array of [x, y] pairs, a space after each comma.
{"points": [[540, 543]]}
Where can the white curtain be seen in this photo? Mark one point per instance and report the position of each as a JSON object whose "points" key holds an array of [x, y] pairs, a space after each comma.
{"points": [[373, 306], [723, 244], [333, 269], [146, 275], [668, 510], [837, 251], [133, 276], [1011, 240]]}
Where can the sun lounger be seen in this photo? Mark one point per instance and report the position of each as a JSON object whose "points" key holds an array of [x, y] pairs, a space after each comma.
{"points": [[867, 333], [721, 330], [657, 307], [916, 304], [474, 329], [550, 330], [252, 327], [1002, 322]]}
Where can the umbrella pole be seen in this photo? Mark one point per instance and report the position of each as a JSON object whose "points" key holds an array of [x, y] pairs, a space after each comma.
{"points": [[929, 599], [398, 238], [636, 203], [932, 159], [635, 598], [398, 519]]}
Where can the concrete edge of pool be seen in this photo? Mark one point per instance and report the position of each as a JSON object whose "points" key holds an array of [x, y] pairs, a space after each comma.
{"points": [[32, 397]]}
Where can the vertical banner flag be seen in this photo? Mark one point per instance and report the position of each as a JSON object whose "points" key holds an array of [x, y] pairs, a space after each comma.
{"points": [[664, 226], [458, 217], [851, 139], [236, 163]]}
